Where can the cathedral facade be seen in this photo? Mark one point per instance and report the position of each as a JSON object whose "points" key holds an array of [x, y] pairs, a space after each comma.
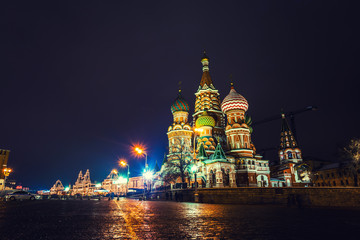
{"points": [[217, 145]]}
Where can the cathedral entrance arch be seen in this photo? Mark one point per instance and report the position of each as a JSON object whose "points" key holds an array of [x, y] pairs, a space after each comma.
{"points": [[262, 181]]}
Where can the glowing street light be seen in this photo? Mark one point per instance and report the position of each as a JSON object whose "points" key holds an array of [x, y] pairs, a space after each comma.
{"points": [[7, 171], [123, 163], [194, 168], [141, 151], [114, 171], [148, 175]]}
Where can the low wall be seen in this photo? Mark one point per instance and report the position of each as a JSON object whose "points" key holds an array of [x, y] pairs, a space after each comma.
{"points": [[306, 197]]}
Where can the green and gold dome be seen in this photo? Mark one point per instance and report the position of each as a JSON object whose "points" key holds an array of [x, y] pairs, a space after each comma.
{"points": [[180, 104], [205, 120]]}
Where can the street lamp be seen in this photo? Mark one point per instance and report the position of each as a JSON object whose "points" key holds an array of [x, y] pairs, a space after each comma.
{"points": [[123, 163], [194, 169], [148, 175], [6, 172], [140, 151]]}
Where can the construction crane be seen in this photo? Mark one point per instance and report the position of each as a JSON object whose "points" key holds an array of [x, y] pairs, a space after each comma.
{"points": [[290, 115]]}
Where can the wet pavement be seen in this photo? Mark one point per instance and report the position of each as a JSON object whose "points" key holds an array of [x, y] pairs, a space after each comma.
{"points": [[132, 219]]}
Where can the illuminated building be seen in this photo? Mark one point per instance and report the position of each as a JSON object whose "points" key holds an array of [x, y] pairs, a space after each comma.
{"points": [[287, 174], [114, 183], [136, 183], [224, 152], [83, 184], [57, 188]]}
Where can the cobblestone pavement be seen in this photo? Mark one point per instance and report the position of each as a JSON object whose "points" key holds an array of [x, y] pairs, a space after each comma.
{"points": [[132, 219]]}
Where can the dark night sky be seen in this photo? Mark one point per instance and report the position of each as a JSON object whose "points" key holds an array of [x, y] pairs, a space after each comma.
{"points": [[81, 81]]}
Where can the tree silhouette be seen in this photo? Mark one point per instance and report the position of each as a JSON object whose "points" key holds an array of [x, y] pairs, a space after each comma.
{"points": [[352, 152]]}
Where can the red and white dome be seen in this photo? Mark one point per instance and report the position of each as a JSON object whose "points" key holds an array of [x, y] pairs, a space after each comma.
{"points": [[234, 101]]}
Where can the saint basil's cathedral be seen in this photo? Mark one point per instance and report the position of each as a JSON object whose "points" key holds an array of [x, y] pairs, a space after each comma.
{"points": [[218, 141]]}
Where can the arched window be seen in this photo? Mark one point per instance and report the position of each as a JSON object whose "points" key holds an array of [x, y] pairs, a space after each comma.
{"points": [[289, 155]]}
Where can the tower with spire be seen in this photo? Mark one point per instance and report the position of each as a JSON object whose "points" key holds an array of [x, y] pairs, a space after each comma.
{"points": [[290, 157], [207, 100], [288, 149]]}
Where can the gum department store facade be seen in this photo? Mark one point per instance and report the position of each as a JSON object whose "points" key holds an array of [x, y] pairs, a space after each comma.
{"points": [[221, 136]]}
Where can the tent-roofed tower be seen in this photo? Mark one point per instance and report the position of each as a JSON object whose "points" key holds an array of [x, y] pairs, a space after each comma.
{"points": [[208, 100], [288, 150]]}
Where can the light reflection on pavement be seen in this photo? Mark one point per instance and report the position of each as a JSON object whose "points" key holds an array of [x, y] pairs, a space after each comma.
{"points": [[132, 219]]}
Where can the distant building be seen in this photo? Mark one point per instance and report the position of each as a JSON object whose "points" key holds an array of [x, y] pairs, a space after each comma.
{"points": [[334, 175], [136, 183], [4, 157], [57, 188], [83, 184], [115, 183]]}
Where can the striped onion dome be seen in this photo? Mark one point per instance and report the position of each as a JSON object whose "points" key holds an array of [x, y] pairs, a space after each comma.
{"points": [[180, 104], [234, 101], [205, 120]]}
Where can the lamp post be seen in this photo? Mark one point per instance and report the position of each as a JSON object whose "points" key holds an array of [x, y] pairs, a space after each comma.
{"points": [[194, 169], [140, 151], [6, 172], [123, 163]]}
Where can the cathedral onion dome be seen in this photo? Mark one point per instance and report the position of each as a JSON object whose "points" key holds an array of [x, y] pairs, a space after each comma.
{"points": [[205, 120], [234, 101], [180, 104]]}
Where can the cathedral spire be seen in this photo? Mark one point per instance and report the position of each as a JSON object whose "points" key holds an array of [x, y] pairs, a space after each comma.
{"points": [[202, 153], [219, 152], [287, 139], [231, 82], [205, 79]]}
